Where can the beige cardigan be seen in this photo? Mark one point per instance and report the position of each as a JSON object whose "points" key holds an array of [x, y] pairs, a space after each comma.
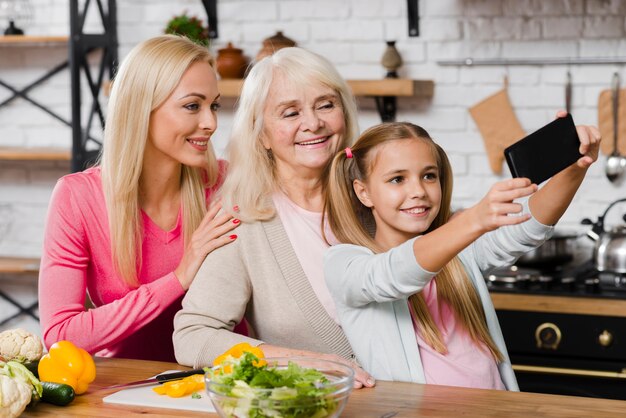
{"points": [[257, 276]]}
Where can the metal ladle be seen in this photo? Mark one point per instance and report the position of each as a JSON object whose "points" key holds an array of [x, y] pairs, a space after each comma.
{"points": [[615, 163]]}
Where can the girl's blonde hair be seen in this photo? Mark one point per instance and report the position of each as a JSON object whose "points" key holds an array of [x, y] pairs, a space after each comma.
{"points": [[146, 78], [349, 220], [251, 178]]}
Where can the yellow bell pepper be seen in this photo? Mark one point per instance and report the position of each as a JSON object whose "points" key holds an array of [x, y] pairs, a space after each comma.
{"points": [[235, 352], [182, 387], [66, 363]]}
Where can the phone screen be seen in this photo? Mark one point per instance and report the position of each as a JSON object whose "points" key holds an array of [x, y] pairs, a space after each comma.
{"points": [[545, 152]]}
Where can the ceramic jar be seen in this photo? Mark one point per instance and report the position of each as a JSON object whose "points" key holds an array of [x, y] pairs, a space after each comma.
{"points": [[230, 62], [273, 44], [391, 59]]}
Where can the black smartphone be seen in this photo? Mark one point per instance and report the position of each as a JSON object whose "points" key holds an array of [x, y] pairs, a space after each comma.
{"points": [[545, 152]]}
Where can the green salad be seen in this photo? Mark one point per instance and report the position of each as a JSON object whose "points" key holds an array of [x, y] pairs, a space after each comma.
{"points": [[256, 389]]}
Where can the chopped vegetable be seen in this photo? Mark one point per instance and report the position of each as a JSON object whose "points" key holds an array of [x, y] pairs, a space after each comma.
{"points": [[260, 390], [236, 352], [68, 364], [20, 345], [182, 387], [196, 395]]}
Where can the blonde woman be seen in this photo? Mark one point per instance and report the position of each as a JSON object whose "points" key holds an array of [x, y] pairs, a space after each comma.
{"points": [[132, 231], [295, 112], [411, 296]]}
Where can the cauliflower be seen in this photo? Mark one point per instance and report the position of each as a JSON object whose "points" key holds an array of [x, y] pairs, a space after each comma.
{"points": [[14, 396], [20, 345]]}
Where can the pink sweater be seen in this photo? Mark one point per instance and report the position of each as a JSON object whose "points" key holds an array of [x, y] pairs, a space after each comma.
{"points": [[127, 322]]}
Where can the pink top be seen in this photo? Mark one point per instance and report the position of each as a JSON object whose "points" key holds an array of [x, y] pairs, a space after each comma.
{"points": [[466, 363], [303, 228], [127, 322]]}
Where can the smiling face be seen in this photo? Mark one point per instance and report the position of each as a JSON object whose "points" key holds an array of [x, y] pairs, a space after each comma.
{"points": [[180, 129], [302, 126], [402, 189]]}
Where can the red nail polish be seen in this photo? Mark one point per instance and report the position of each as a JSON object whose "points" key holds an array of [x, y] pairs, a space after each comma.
{"points": [[233, 237], [236, 208], [236, 221]]}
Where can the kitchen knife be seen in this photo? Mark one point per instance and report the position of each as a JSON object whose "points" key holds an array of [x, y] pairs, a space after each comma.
{"points": [[160, 378]]}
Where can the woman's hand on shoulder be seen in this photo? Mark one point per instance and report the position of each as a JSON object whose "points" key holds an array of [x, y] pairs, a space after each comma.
{"points": [[361, 377], [214, 231], [496, 208]]}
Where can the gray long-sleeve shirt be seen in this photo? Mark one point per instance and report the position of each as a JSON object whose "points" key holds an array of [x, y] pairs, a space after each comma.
{"points": [[371, 291]]}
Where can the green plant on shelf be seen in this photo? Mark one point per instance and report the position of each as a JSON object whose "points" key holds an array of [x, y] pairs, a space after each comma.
{"points": [[190, 26]]}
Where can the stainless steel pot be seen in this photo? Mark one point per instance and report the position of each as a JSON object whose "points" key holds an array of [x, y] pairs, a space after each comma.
{"points": [[555, 251], [609, 253]]}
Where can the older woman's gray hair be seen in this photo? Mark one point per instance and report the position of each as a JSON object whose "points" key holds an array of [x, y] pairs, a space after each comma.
{"points": [[251, 179]]}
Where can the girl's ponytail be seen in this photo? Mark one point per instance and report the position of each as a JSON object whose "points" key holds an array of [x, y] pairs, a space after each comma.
{"points": [[342, 207]]}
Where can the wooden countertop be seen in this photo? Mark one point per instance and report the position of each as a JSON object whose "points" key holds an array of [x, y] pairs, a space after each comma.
{"points": [[559, 304], [404, 399]]}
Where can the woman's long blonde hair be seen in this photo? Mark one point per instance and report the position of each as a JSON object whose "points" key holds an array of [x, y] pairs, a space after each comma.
{"points": [[349, 220], [251, 176], [146, 78]]}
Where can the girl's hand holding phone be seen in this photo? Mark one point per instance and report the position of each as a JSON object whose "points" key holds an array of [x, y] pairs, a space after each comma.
{"points": [[496, 208], [212, 233], [589, 142]]}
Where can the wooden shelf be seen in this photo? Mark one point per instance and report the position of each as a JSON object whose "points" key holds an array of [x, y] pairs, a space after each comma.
{"points": [[26, 40], [559, 304], [34, 154], [395, 87], [20, 265]]}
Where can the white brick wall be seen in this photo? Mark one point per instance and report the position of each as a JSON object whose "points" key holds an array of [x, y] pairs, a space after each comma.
{"points": [[351, 33]]}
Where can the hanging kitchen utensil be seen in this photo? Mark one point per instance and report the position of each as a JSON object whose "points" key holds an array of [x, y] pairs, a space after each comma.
{"points": [[605, 121], [568, 92], [498, 125], [615, 162]]}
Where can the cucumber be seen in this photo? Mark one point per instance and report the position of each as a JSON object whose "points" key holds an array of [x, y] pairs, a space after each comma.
{"points": [[57, 393]]}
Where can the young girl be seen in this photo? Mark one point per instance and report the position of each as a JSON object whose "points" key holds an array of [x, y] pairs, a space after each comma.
{"points": [[408, 284]]}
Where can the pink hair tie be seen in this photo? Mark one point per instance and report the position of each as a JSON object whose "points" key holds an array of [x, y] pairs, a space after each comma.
{"points": [[348, 152]]}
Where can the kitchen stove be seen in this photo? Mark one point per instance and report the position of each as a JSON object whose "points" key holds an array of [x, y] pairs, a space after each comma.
{"points": [[580, 281], [569, 351]]}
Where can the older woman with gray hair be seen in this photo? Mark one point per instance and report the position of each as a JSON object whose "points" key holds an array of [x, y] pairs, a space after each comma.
{"points": [[295, 112]]}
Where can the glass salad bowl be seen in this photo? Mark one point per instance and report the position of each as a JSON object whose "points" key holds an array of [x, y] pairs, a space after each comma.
{"points": [[280, 387]]}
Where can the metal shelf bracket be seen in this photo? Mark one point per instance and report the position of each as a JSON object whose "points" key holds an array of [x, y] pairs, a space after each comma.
{"points": [[80, 45], [211, 11], [413, 15]]}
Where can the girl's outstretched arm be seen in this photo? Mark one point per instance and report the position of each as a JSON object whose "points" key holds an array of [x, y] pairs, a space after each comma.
{"points": [[435, 249], [551, 201]]}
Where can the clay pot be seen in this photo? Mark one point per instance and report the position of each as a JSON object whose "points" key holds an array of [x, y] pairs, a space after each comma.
{"points": [[391, 59], [273, 44], [230, 62]]}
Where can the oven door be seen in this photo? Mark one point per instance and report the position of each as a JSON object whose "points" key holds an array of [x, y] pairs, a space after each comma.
{"points": [[559, 378], [565, 354]]}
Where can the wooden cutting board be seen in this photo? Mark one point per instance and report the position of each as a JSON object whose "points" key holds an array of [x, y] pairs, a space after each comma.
{"points": [[145, 396], [605, 121]]}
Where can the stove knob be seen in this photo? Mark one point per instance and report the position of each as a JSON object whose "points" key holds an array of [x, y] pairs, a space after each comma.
{"points": [[548, 336], [605, 338]]}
